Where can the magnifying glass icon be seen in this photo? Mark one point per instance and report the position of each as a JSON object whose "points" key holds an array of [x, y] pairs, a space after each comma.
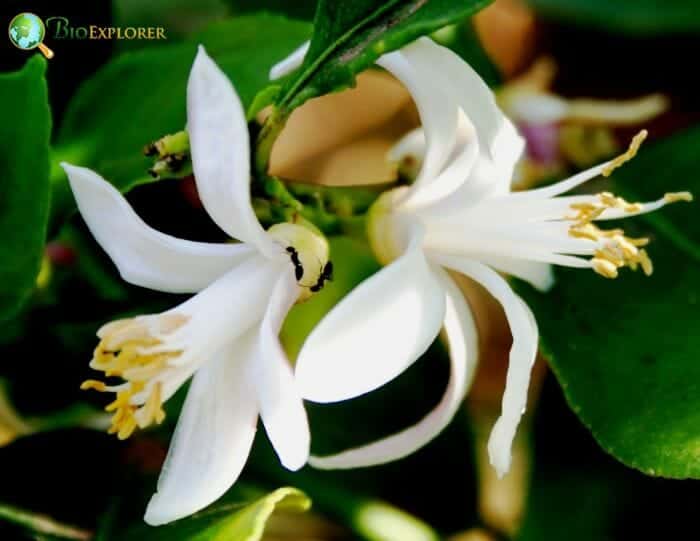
{"points": [[27, 32]]}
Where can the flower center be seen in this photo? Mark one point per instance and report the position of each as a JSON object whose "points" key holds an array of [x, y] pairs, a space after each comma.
{"points": [[386, 227], [123, 352], [308, 252]]}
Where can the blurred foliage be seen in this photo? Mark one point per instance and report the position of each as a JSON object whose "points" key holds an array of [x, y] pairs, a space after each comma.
{"points": [[579, 493], [24, 191], [630, 16], [233, 518]]}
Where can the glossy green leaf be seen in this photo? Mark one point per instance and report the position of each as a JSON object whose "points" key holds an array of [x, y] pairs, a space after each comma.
{"points": [[625, 350], [140, 96], [349, 36], [24, 184], [231, 519], [631, 16]]}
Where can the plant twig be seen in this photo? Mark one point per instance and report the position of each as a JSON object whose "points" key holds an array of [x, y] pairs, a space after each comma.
{"points": [[42, 524]]}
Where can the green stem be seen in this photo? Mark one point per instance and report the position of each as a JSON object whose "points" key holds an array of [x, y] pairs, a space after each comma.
{"points": [[42, 524], [271, 129]]}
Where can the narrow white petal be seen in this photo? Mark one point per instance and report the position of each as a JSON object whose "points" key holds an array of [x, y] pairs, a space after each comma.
{"points": [[497, 135], [562, 186], [223, 311], [460, 166], [374, 333], [144, 256], [289, 64], [522, 356], [462, 340], [530, 242], [536, 273], [211, 442], [220, 153], [438, 113], [281, 408]]}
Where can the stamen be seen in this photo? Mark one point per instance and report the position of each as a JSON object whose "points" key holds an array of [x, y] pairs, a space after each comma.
{"points": [[674, 197], [637, 141], [604, 267], [120, 354], [615, 250]]}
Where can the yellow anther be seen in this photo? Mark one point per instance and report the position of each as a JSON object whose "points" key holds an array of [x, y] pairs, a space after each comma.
{"points": [[604, 267], [585, 231], [609, 254], [126, 428], [611, 201], [675, 197], [615, 249], [637, 141], [643, 241], [646, 263], [93, 384], [123, 352]]}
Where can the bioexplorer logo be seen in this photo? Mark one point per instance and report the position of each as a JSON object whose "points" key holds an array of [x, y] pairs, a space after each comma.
{"points": [[27, 31]]}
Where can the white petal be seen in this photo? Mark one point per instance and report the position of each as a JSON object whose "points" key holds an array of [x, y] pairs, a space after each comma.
{"points": [[543, 242], [462, 340], [522, 356], [374, 333], [411, 145], [211, 442], [462, 159], [289, 64], [538, 108], [496, 134], [144, 256], [223, 311], [438, 113], [281, 408], [220, 153], [536, 273], [563, 186]]}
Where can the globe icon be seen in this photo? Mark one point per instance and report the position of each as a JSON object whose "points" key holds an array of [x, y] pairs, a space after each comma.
{"points": [[26, 31]]}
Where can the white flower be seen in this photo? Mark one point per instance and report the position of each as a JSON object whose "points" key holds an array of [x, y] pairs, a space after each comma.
{"points": [[227, 334], [459, 215], [528, 100]]}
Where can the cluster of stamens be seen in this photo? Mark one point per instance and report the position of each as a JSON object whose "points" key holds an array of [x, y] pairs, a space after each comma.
{"points": [[122, 353], [616, 250]]}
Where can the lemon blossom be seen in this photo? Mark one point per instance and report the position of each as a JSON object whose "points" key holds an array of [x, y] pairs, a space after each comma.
{"points": [[459, 215], [227, 334]]}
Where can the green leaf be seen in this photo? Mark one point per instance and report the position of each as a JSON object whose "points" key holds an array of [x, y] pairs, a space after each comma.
{"points": [[24, 184], [298, 9], [626, 351], [630, 16], [140, 96], [349, 36], [178, 18], [228, 520]]}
